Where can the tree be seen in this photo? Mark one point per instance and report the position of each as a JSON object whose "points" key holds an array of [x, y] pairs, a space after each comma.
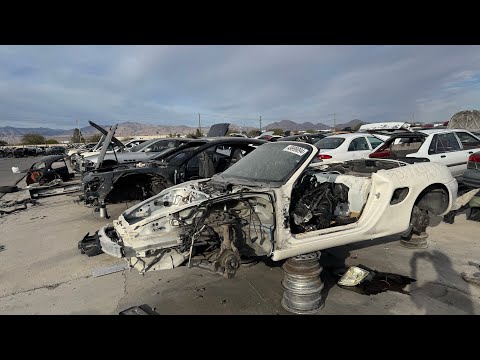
{"points": [[3, 143], [252, 133], [95, 138], [198, 133], [311, 131], [77, 136], [277, 131], [33, 139], [191, 136], [51, 141]]}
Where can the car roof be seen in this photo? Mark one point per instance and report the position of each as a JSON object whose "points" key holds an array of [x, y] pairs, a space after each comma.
{"points": [[348, 136], [230, 139], [438, 131]]}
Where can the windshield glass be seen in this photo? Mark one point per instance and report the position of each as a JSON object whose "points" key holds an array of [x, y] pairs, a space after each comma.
{"points": [[143, 145], [179, 156], [329, 143], [273, 162]]}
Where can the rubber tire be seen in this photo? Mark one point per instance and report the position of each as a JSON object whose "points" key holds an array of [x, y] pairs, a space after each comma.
{"points": [[8, 189]]}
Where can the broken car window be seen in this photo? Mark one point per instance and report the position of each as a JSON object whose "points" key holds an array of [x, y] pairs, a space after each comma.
{"points": [[273, 163], [442, 143], [468, 141], [358, 144], [38, 166]]}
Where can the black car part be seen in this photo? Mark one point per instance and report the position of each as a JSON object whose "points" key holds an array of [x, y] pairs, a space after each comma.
{"points": [[90, 245]]}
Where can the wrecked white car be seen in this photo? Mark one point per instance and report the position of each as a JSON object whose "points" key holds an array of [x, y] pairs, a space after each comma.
{"points": [[276, 203]]}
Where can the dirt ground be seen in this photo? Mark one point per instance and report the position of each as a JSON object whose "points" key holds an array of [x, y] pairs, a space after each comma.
{"points": [[43, 272]]}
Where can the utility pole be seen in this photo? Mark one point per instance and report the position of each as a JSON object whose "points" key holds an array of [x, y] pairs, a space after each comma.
{"points": [[260, 123], [199, 126], [334, 121]]}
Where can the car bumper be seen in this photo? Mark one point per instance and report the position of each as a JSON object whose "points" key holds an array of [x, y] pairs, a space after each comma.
{"points": [[109, 246], [471, 178]]}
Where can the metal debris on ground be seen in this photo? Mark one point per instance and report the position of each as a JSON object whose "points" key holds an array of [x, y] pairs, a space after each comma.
{"points": [[2, 248], [472, 277], [8, 207], [56, 187], [139, 310], [366, 281], [90, 245], [108, 270]]}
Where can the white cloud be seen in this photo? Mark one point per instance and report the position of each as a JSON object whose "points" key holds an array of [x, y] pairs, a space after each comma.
{"points": [[161, 84]]}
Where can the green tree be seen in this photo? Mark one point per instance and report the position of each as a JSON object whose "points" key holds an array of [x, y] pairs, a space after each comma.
{"points": [[95, 138], [311, 131], [252, 133], [277, 131], [198, 133], [3, 143], [32, 139], [77, 136], [51, 141]]}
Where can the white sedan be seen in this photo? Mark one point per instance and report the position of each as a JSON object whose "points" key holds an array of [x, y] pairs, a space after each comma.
{"points": [[344, 147], [450, 147]]}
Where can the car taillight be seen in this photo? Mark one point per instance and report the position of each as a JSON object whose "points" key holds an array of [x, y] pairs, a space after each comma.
{"points": [[323, 156], [380, 154], [474, 158]]}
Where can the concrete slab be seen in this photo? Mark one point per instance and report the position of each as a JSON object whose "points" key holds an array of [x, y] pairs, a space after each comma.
{"points": [[43, 272]]}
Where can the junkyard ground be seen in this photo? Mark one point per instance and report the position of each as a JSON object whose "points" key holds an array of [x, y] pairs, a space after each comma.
{"points": [[43, 272]]}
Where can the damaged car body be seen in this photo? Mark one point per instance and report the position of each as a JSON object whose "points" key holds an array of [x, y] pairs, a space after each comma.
{"points": [[276, 203], [196, 159], [48, 169]]}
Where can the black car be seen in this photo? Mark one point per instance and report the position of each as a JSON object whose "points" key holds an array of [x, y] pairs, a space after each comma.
{"points": [[197, 159], [47, 169], [55, 150], [308, 138]]}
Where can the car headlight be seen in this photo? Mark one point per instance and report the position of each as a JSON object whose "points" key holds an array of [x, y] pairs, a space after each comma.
{"points": [[353, 276]]}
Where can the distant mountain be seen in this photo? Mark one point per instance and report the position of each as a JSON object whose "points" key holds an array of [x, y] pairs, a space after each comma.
{"points": [[124, 129], [352, 124], [292, 125], [13, 131]]}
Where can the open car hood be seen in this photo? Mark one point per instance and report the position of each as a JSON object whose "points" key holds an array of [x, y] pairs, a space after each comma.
{"points": [[218, 130], [104, 134]]}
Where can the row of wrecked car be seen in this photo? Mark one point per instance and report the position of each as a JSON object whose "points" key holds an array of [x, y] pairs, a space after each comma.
{"points": [[17, 152], [216, 201]]}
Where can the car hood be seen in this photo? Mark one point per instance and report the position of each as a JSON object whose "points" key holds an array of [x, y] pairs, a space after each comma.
{"points": [[218, 130]]}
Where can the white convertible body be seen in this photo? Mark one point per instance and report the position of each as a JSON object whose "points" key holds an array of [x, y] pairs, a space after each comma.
{"points": [[276, 203]]}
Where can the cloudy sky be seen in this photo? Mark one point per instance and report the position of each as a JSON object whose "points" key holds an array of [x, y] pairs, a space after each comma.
{"points": [[53, 86]]}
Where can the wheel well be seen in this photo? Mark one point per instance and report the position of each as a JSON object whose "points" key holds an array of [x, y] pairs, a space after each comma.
{"points": [[125, 187], [434, 199]]}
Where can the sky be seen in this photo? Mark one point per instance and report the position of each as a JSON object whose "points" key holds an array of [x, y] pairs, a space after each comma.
{"points": [[54, 86]]}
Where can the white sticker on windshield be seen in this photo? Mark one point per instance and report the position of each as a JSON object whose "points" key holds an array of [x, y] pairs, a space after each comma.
{"points": [[298, 150]]}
